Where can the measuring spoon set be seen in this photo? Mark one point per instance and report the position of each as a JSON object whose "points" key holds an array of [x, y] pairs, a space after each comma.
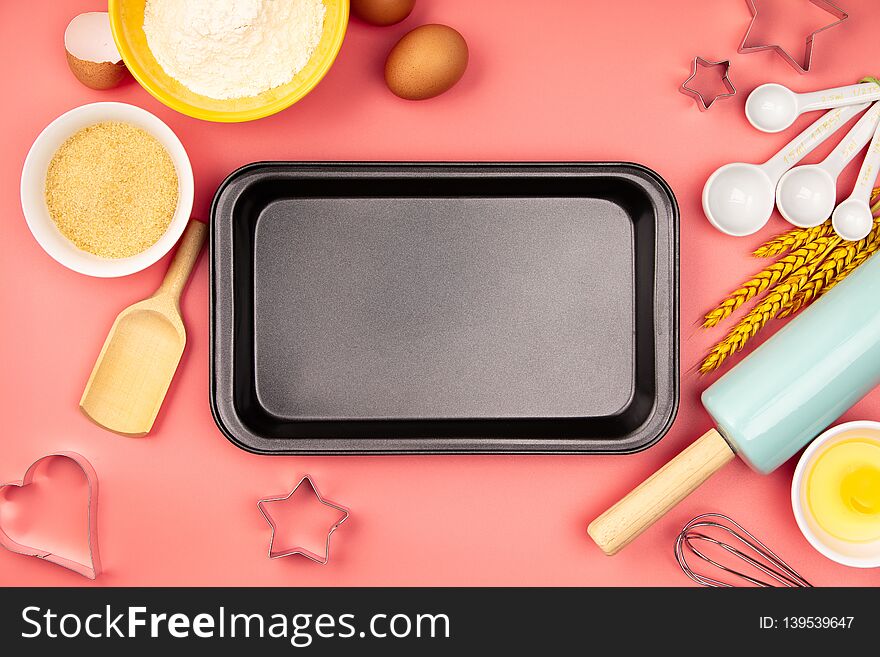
{"points": [[738, 198]]}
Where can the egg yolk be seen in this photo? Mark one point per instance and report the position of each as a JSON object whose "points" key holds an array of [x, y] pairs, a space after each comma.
{"points": [[843, 490]]}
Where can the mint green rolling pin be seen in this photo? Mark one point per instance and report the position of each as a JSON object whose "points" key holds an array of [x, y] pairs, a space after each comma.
{"points": [[770, 405]]}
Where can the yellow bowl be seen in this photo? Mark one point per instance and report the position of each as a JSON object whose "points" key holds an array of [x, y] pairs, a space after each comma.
{"points": [[127, 24]]}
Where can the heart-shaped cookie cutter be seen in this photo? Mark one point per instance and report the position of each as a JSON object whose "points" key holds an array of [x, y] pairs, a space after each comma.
{"points": [[91, 569]]}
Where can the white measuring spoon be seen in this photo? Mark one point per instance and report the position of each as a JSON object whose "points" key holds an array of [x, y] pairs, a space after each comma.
{"points": [[806, 194], [773, 107], [852, 219], [738, 198]]}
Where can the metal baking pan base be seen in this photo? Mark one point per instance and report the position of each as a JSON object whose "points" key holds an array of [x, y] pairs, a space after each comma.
{"points": [[409, 308]]}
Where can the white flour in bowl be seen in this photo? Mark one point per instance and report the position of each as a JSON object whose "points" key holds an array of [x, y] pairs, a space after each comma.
{"points": [[233, 48]]}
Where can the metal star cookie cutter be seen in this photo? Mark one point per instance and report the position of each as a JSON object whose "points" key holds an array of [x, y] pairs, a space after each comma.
{"points": [[286, 552], [90, 569], [698, 95], [827, 5]]}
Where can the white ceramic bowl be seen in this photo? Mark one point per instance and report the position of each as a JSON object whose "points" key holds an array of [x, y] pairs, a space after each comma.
{"points": [[857, 555], [33, 180]]}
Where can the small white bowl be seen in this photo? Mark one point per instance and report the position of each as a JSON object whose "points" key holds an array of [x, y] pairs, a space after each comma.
{"points": [[33, 180], [857, 555]]}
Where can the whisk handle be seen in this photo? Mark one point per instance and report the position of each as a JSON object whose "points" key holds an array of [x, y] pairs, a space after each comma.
{"points": [[632, 515]]}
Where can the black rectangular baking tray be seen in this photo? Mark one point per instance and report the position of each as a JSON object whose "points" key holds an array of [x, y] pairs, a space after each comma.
{"points": [[389, 308]]}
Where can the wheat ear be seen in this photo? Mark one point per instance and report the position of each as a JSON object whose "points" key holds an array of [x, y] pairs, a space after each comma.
{"points": [[792, 240], [769, 307], [842, 261], [769, 276]]}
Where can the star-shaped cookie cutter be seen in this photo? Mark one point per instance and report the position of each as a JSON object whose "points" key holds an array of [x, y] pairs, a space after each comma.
{"points": [[698, 95], [827, 5], [286, 552]]}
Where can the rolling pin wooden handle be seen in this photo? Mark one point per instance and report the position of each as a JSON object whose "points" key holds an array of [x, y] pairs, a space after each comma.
{"points": [[184, 260], [632, 515]]}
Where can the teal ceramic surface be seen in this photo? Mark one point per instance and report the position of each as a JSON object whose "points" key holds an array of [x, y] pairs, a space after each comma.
{"points": [[804, 377]]}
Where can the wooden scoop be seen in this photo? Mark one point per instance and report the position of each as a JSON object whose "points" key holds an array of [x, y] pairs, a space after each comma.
{"points": [[135, 367]]}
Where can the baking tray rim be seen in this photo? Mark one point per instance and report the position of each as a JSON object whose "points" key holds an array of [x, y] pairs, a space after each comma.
{"points": [[470, 445]]}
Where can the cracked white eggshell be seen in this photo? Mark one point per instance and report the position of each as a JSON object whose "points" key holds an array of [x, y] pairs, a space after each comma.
{"points": [[91, 52]]}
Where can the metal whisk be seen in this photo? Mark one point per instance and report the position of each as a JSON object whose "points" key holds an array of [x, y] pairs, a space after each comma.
{"points": [[715, 529]]}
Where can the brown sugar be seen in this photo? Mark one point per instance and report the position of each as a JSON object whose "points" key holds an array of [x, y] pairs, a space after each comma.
{"points": [[112, 189]]}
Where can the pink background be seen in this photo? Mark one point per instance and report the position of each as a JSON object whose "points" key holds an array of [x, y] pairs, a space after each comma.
{"points": [[556, 80]]}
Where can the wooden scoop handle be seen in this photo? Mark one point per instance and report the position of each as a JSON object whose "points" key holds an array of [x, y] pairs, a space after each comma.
{"points": [[184, 260], [632, 515]]}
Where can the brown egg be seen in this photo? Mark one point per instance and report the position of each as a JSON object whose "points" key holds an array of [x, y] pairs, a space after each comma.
{"points": [[382, 12], [426, 62], [91, 53]]}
